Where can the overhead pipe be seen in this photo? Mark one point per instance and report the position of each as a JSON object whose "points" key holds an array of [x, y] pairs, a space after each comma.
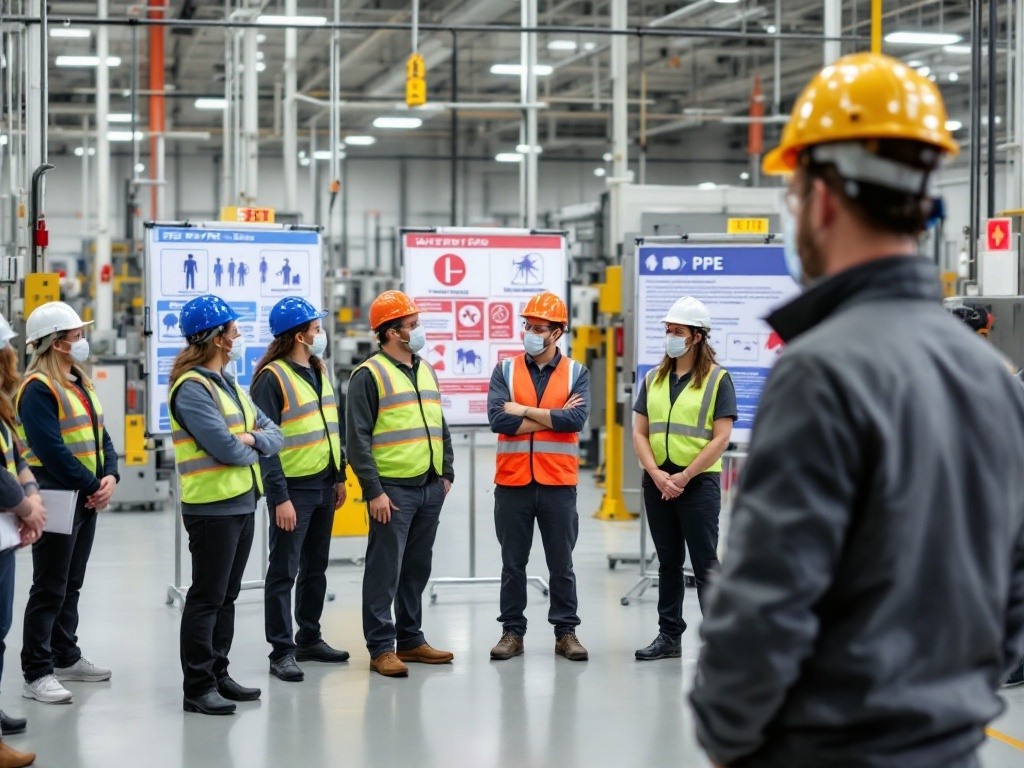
{"points": [[528, 86], [290, 140], [157, 112], [338, 259], [833, 30], [249, 186], [974, 226], [102, 268], [453, 135], [990, 149]]}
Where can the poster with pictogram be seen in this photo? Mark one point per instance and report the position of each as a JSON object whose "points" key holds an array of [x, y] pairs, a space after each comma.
{"points": [[471, 286]]}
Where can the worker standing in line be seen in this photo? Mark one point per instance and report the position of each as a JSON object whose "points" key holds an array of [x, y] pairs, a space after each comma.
{"points": [[19, 493], [684, 414], [305, 483], [537, 403], [67, 447], [400, 449], [219, 437], [871, 597]]}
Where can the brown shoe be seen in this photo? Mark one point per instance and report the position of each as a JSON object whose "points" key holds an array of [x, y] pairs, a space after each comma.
{"points": [[426, 655], [510, 645], [12, 758], [389, 665], [570, 647]]}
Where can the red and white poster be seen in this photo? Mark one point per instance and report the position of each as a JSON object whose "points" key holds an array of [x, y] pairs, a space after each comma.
{"points": [[471, 286]]}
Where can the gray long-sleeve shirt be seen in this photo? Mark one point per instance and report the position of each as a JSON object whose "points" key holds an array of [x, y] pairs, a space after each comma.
{"points": [[195, 409], [562, 419], [361, 416]]}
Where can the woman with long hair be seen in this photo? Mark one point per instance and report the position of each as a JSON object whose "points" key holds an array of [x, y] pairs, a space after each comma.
{"points": [[68, 449], [219, 437], [305, 484], [684, 415]]}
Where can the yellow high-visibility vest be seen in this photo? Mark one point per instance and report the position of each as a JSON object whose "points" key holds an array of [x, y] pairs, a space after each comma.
{"points": [[76, 428], [7, 445], [309, 423], [408, 434], [205, 480], [679, 431]]}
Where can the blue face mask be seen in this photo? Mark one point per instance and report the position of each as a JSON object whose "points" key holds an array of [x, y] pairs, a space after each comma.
{"points": [[533, 343], [793, 264], [676, 346]]}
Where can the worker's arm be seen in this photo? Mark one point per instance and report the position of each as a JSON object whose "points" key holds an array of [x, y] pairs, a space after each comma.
{"points": [[788, 528], [502, 422], [196, 411], [360, 416], [37, 410], [570, 417], [266, 393], [1013, 649]]}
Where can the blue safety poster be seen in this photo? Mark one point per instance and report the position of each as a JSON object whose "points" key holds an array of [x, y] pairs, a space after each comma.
{"points": [[740, 284], [251, 268]]}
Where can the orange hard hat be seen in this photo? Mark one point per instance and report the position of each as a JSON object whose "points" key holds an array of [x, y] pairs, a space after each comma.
{"points": [[389, 306], [861, 97], [546, 306]]}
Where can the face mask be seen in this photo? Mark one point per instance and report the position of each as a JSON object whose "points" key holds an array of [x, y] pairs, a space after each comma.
{"points": [[237, 349], [533, 343], [417, 340], [79, 350], [676, 346], [789, 249], [319, 344]]}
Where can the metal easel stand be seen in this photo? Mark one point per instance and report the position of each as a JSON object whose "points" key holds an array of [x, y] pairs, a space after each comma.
{"points": [[647, 579], [445, 581]]}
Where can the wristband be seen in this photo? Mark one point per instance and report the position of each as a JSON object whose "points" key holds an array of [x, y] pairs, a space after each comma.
{"points": [[30, 487]]}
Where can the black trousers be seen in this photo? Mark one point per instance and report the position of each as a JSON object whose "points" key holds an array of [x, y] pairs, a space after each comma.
{"points": [[690, 521], [6, 599], [220, 549], [399, 555], [553, 507], [51, 615], [298, 559]]}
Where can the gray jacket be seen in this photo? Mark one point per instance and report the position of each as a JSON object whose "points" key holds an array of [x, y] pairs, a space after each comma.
{"points": [[200, 415], [872, 591]]}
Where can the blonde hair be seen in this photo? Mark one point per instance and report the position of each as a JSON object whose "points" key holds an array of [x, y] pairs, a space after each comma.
{"points": [[45, 361]]}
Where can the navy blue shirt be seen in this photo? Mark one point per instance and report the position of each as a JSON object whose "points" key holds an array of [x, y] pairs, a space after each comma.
{"points": [[38, 412]]}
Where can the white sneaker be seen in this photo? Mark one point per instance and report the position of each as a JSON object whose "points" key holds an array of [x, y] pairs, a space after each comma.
{"points": [[48, 690], [82, 670]]}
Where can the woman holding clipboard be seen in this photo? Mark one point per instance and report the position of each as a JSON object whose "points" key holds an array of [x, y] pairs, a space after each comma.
{"points": [[61, 427]]}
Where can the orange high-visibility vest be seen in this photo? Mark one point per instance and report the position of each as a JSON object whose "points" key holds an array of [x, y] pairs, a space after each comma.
{"points": [[547, 457]]}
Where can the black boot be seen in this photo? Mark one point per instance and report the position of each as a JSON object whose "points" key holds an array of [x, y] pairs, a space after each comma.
{"points": [[663, 647]]}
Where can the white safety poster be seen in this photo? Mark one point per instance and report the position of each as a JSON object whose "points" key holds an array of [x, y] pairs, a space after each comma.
{"points": [[470, 288], [251, 268], [740, 284]]}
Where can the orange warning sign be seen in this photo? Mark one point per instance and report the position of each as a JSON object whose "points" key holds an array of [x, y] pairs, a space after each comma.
{"points": [[997, 235]]}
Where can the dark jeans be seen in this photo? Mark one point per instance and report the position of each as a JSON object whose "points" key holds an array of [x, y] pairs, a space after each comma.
{"points": [[51, 614], [220, 548], [398, 560], [301, 553], [6, 599], [553, 507], [691, 521]]}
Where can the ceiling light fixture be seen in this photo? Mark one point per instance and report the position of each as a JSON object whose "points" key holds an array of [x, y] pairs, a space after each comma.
{"points": [[397, 122], [524, 149], [70, 32], [908, 37], [211, 103], [325, 154], [86, 61], [600, 172], [80, 151], [508, 157], [707, 185], [119, 117], [562, 45], [301, 21], [953, 125], [959, 50], [360, 141], [953, 77], [541, 70], [124, 136]]}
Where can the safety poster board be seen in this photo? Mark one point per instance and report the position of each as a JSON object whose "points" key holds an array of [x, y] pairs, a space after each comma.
{"points": [[251, 267], [471, 286], [741, 283]]}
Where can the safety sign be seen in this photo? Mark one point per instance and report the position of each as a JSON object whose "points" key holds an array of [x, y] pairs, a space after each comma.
{"points": [[740, 284], [251, 267], [470, 286]]}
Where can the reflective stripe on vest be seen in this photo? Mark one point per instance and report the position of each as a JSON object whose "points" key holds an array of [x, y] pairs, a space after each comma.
{"points": [[679, 430], [407, 436], [76, 427], [7, 445], [204, 479], [549, 457], [309, 423]]}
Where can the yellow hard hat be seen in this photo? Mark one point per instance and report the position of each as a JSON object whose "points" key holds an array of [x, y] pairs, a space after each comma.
{"points": [[863, 96]]}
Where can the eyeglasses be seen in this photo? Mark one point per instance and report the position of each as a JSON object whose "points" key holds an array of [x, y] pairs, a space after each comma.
{"points": [[536, 328], [412, 327]]}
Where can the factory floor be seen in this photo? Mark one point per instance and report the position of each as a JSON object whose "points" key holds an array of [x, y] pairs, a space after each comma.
{"points": [[534, 711]]}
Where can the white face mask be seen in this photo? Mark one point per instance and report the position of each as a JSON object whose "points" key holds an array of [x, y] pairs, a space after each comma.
{"points": [[79, 350], [794, 265], [417, 339], [533, 343], [237, 349], [319, 345], [676, 346]]}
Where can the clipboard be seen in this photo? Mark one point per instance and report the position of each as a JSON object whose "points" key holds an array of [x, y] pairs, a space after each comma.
{"points": [[60, 510]]}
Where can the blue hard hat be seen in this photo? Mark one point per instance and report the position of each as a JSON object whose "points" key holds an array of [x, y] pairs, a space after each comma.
{"points": [[291, 312], [203, 313]]}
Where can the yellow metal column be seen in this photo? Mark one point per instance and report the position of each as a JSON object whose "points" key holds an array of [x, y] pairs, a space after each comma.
{"points": [[613, 503]]}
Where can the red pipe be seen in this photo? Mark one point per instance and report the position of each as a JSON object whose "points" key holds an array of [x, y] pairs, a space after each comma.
{"points": [[157, 106]]}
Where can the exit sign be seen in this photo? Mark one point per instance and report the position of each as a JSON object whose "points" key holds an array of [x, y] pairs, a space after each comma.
{"points": [[247, 215], [997, 235]]}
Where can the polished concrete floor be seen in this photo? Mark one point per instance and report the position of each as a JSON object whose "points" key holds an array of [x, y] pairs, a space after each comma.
{"points": [[531, 712]]}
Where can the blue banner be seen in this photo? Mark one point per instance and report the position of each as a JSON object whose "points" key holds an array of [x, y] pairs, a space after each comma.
{"points": [[196, 235], [711, 260]]}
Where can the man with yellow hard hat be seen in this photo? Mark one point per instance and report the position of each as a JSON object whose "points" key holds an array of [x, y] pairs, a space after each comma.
{"points": [[871, 597]]}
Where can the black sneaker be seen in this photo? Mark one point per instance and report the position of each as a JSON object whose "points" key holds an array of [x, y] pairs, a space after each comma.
{"points": [[320, 651], [11, 725], [663, 647], [1016, 678], [286, 669]]}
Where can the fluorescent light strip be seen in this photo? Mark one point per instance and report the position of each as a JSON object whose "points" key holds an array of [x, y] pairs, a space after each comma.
{"points": [[960, 50], [211, 103], [325, 154], [397, 122], [508, 157], [86, 61], [70, 32], [119, 117], [123, 136], [908, 37], [562, 45], [542, 70], [953, 125], [302, 21], [360, 141]]}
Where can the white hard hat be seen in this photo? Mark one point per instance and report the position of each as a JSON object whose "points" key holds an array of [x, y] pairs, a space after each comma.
{"points": [[689, 311], [6, 332], [52, 317]]}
